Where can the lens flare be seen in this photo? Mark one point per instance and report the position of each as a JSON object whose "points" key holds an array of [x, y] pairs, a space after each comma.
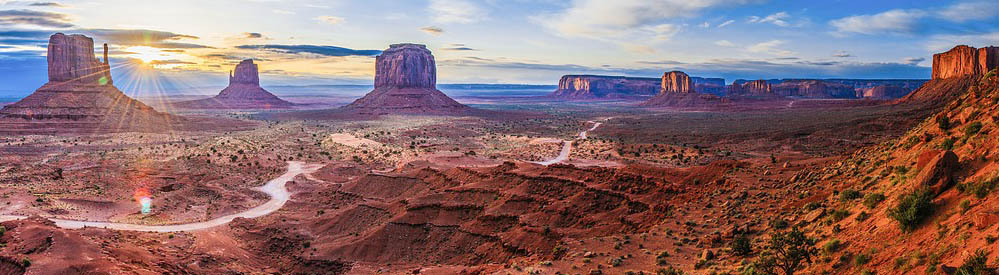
{"points": [[145, 200]]}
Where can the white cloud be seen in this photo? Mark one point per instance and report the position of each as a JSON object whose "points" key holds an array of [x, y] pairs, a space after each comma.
{"points": [[770, 47], [724, 43], [966, 11], [435, 31], [602, 19], [726, 23], [889, 22], [332, 20], [779, 19], [842, 54], [913, 60], [456, 11], [663, 32], [705, 25], [944, 42]]}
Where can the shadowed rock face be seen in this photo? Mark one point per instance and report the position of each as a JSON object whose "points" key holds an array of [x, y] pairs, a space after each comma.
{"points": [[243, 92], [406, 83], [677, 82], [71, 58], [599, 86], [752, 88], [963, 60]]}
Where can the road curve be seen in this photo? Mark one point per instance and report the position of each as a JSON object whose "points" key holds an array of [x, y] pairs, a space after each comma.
{"points": [[567, 146], [274, 188]]}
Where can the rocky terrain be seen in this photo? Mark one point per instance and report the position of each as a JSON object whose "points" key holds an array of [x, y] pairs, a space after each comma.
{"points": [[243, 92], [80, 96]]}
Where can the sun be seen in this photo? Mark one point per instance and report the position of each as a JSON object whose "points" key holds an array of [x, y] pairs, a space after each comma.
{"points": [[146, 54]]}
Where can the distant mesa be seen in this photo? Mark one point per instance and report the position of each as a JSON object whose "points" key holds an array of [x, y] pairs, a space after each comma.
{"points": [[584, 87], [677, 90], [752, 88], [406, 83], [243, 92], [963, 60], [79, 95]]}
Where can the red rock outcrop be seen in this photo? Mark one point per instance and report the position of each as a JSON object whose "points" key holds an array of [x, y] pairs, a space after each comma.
{"points": [[677, 82], [599, 86], [243, 92], [883, 92], [79, 96], [963, 60], [814, 89], [753, 88], [406, 83]]}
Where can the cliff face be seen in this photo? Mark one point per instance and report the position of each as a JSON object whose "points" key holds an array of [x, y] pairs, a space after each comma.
{"points": [[963, 60], [595, 87], [883, 92], [243, 92], [406, 66], [71, 58], [406, 83], [814, 89], [677, 82], [753, 88]]}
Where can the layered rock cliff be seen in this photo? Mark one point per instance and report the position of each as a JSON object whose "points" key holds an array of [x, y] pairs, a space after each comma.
{"points": [[79, 95], [751, 88], [598, 86], [677, 82], [406, 83], [813, 89], [963, 60], [243, 92]]}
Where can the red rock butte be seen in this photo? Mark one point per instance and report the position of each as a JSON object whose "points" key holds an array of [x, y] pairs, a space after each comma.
{"points": [[243, 92], [677, 90], [677, 82], [79, 93], [963, 60], [406, 83]]}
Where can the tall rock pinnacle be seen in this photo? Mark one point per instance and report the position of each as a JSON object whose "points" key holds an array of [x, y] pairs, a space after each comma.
{"points": [[71, 58], [243, 92]]}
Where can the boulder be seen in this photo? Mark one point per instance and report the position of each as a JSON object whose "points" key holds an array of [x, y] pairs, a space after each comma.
{"points": [[939, 172], [987, 218]]}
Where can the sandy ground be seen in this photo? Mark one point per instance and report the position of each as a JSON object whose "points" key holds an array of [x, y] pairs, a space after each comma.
{"points": [[351, 140]]}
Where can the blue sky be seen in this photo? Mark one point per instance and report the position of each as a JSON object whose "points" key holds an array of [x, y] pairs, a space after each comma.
{"points": [[177, 44]]}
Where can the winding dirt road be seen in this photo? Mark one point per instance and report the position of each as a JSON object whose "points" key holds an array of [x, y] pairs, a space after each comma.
{"points": [[567, 146], [274, 188]]}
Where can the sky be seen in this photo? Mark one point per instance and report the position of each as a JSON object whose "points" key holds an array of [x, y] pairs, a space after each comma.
{"points": [[172, 45]]}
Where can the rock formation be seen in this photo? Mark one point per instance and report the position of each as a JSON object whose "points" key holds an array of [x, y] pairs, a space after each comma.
{"points": [[882, 92], [602, 87], [753, 88], [79, 95], [963, 60], [813, 89], [677, 82], [243, 92], [406, 83]]}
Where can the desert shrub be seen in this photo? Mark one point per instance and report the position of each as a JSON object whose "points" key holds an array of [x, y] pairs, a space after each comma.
{"points": [[862, 216], [868, 272], [944, 123], [837, 215], [861, 259], [979, 189], [832, 246], [849, 194], [972, 129], [871, 200], [25, 262], [912, 208], [974, 265], [3, 230], [661, 258], [742, 246], [965, 206], [812, 206], [786, 251], [947, 144], [669, 271], [779, 223]]}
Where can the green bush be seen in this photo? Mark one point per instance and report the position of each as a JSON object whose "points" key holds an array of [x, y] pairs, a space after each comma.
{"points": [[944, 123], [872, 200], [26, 262], [861, 259], [669, 271], [980, 189], [965, 206], [912, 208], [838, 214], [974, 265], [742, 246], [786, 251], [849, 195], [832, 246], [947, 144], [972, 129]]}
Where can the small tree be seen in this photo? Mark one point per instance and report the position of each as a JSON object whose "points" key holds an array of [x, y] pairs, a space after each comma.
{"points": [[785, 253]]}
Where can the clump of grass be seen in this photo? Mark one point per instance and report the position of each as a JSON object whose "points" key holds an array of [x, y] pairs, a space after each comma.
{"points": [[972, 129], [965, 206], [849, 194], [947, 144], [832, 246], [912, 209], [837, 215], [871, 200]]}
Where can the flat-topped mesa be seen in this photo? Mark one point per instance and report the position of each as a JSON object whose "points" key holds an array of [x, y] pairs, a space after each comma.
{"points": [[600, 86], [406, 66], [753, 88], [677, 82], [71, 59], [963, 60], [245, 73]]}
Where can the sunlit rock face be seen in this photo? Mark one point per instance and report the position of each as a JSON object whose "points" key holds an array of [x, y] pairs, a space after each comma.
{"points": [[406, 83], [243, 92], [600, 86], [71, 58], [677, 82], [79, 94], [963, 60]]}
